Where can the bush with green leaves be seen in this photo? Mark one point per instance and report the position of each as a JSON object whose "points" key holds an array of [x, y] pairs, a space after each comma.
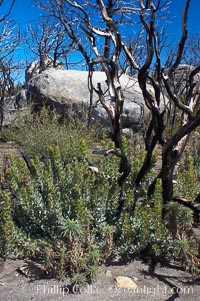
{"points": [[185, 244], [55, 212], [34, 133], [143, 230], [192, 151], [62, 213], [188, 185]]}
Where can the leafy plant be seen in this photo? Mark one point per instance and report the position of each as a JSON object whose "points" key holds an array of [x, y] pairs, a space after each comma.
{"points": [[58, 201], [179, 222], [78, 281], [57, 210], [188, 185], [46, 128]]}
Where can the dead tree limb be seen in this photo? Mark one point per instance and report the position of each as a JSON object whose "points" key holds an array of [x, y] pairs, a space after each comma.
{"points": [[195, 207]]}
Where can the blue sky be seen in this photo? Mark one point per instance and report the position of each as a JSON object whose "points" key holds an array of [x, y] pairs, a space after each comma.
{"points": [[24, 12], [193, 17]]}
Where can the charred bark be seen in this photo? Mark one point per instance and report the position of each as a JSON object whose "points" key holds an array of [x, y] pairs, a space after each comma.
{"points": [[194, 206]]}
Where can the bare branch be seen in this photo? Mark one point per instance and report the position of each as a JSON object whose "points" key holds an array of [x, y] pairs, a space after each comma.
{"points": [[187, 203], [175, 99], [109, 21], [182, 41], [9, 10]]}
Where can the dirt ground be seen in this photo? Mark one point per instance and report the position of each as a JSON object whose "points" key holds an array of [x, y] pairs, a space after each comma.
{"points": [[167, 283]]}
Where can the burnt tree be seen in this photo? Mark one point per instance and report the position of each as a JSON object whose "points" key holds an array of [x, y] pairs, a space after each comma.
{"points": [[104, 27]]}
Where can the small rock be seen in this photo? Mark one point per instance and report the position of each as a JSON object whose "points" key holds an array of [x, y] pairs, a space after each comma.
{"points": [[125, 282], [134, 278], [147, 276], [108, 273], [93, 168]]}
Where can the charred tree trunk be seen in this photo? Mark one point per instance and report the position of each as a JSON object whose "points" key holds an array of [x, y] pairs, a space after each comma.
{"points": [[1, 111], [167, 171]]}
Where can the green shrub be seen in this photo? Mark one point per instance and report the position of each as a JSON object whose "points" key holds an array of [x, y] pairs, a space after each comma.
{"points": [[188, 185], [58, 207], [144, 230], [60, 212], [34, 133]]}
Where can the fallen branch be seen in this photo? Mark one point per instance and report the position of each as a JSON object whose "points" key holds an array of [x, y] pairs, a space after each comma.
{"points": [[197, 200], [125, 165], [189, 204]]}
